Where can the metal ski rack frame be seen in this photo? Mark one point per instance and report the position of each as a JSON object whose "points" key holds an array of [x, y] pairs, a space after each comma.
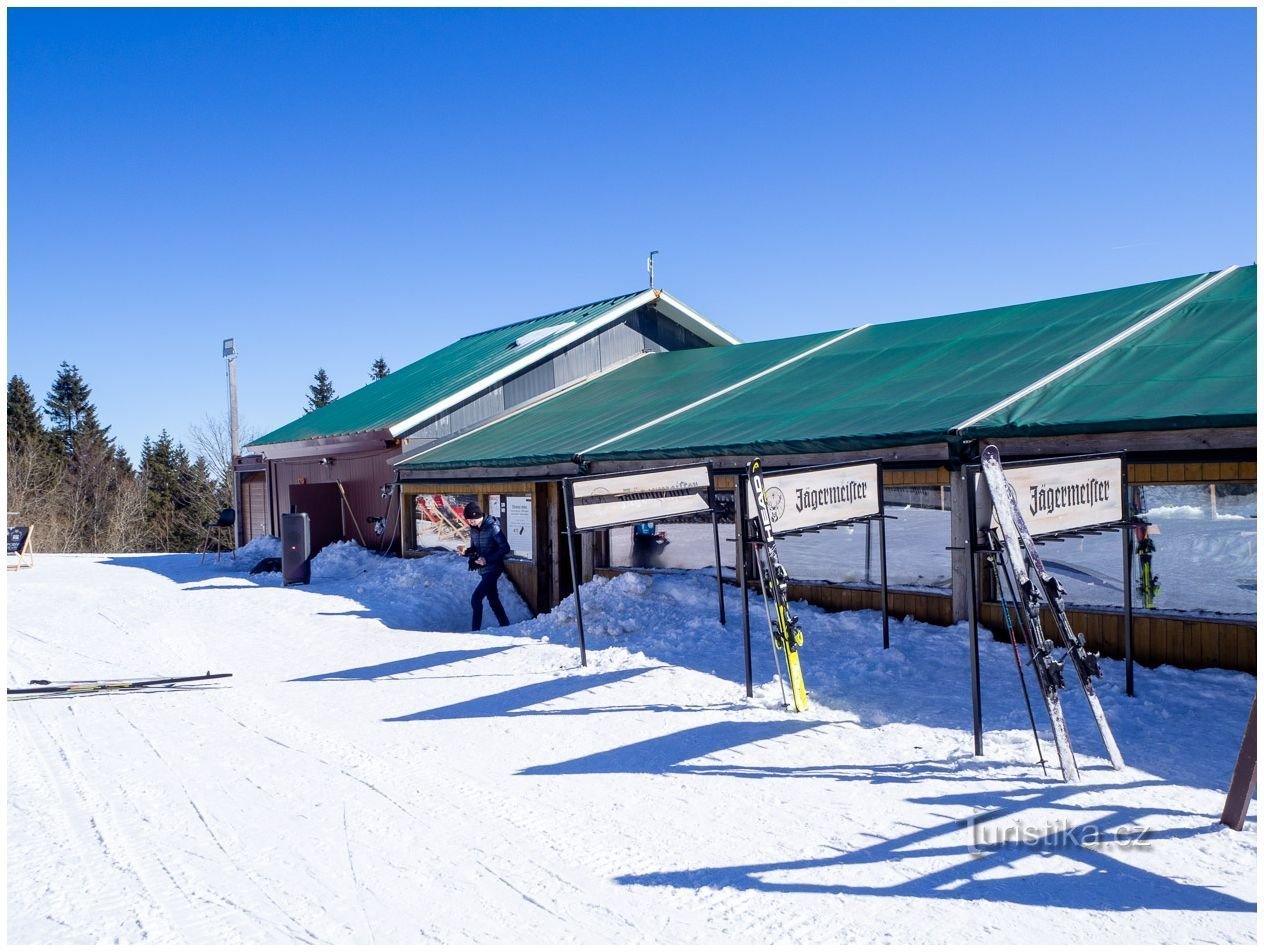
{"points": [[568, 503], [975, 548], [741, 517]]}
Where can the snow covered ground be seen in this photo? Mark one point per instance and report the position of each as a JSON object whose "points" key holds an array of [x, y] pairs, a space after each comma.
{"points": [[372, 773]]}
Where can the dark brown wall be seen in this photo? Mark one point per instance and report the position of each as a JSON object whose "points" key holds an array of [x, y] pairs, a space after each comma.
{"points": [[362, 477]]}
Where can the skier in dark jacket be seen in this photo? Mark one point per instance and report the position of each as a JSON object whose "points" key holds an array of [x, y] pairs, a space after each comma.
{"points": [[488, 549]]}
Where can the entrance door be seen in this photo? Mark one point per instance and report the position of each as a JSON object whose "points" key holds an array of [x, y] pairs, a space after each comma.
{"points": [[323, 504]]}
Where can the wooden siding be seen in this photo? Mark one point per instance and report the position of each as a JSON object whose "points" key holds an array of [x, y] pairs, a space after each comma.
{"points": [[362, 477], [254, 506], [1157, 639], [923, 606], [1158, 473]]}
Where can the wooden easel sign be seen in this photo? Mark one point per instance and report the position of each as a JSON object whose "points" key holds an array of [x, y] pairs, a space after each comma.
{"points": [[20, 554]]}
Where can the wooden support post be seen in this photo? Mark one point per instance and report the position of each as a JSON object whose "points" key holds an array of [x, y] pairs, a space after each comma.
{"points": [[1243, 783]]}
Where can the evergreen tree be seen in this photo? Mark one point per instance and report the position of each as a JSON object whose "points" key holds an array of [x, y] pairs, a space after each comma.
{"points": [[181, 495], [379, 369], [321, 393], [71, 413], [26, 427]]}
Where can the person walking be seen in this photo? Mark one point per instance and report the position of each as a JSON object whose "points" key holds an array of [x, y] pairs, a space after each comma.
{"points": [[487, 550]]}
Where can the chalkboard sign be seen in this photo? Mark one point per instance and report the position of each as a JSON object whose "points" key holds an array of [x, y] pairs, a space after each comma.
{"points": [[20, 546], [17, 538]]}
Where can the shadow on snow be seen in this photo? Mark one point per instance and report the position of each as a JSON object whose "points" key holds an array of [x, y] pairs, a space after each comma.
{"points": [[971, 855]]}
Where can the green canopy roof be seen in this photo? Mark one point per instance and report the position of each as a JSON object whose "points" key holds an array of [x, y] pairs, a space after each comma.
{"points": [[897, 384], [1196, 367], [561, 428], [394, 400]]}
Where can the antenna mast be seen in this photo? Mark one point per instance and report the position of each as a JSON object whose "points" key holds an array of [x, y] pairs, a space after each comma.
{"points": [[649, 266]]}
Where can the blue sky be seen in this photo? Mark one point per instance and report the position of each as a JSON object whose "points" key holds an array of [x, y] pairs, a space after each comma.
{"points": [[330, 185]]}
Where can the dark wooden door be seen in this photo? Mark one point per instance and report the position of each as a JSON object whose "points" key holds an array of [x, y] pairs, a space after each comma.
{"points": [[323, 504]]}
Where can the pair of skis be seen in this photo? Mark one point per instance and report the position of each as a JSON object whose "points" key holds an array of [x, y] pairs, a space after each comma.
{"points": [[787, 635], [1030, 584], [88, 687]]}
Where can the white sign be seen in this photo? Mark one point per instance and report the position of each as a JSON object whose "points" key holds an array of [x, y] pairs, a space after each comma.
{"points": [[518, 525], [806, 498], [1063, 497], [625, 498]]}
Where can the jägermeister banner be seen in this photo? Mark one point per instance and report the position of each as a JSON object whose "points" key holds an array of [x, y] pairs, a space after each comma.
{"points": [[1062, 496], [624, 498], [821, 495]]}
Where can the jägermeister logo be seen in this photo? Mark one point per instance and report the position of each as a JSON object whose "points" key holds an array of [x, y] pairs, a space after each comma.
{"points": [[810, 499], [1050, 500]]}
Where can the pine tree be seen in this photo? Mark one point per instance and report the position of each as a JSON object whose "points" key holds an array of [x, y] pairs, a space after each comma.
{"points": [[379, 369], [321, 393], [26, 426], [71, 413], [181, 496]]}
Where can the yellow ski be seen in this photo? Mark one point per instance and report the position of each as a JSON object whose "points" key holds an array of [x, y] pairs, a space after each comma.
{"points": [[787, 636]]}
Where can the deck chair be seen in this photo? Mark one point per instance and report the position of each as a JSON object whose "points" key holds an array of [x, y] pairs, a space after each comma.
{"points": [[216, 529]]}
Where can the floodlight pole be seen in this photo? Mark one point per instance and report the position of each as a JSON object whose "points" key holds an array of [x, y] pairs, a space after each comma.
{"points": [[230, 357]]}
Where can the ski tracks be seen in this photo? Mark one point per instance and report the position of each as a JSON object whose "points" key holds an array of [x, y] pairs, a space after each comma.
{"points": [[127, 811]]}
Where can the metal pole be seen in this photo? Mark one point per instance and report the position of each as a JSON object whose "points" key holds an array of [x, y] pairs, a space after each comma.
{"points": [[233, 438], [882, 563], [570, 549], [719, 582], [1127, 547], [868, 551], [740, 513], [976, 695]]}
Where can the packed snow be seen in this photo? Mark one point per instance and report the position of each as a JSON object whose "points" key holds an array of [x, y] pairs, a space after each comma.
{"points": [[372, 772]]}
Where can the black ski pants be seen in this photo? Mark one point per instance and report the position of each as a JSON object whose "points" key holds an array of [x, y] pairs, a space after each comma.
{"points": [[486, 588]]}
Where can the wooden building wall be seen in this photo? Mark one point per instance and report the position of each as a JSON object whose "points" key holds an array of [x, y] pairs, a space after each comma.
{"points": [[362, 476]]}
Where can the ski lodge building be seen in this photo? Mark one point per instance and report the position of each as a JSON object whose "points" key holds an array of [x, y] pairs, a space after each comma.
{"points": [[333, 462], [1164, 372]]}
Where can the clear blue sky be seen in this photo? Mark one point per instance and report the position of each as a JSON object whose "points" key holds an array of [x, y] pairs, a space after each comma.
{"points": [[329, 185]]}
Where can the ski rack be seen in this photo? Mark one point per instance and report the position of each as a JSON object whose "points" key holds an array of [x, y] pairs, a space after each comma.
{"points": [[977, 545], [646, 499], [741, 517]]}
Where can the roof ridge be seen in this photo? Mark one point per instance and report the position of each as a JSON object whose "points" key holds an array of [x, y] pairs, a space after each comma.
{"points": [[558, 313]]}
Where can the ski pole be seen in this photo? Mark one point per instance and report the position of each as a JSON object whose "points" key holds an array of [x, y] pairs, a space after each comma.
{"points": [[1018, 663]]}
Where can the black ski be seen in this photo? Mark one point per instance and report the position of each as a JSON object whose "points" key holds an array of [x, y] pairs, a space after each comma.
{"points": [[84, 687], [787, 636], [1084, 662], [1048, 670]]}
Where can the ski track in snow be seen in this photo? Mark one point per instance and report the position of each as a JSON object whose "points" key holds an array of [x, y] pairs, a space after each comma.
{"points": [[372, 774]]}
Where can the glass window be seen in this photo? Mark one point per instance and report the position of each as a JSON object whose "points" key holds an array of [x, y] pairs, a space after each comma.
{"points": [[439, 521], [1198, 543], [918, 535]]}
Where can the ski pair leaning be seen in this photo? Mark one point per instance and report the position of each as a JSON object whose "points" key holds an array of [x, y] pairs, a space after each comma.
{"points": [[787, 635], [1030, 583]]}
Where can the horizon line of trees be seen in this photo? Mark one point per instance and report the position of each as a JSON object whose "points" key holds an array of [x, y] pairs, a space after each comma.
{"points": [[81, 492], [68, 478]]}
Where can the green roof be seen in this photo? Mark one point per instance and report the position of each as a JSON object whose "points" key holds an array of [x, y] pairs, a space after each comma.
{"points": [[1194, 368], [902, 384], [560, 428], [477, 359]]}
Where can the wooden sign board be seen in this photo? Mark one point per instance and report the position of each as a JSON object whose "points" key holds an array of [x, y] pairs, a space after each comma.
{"points": [[20, 553], [620, 499], [1062, 495], [817, 496]]}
